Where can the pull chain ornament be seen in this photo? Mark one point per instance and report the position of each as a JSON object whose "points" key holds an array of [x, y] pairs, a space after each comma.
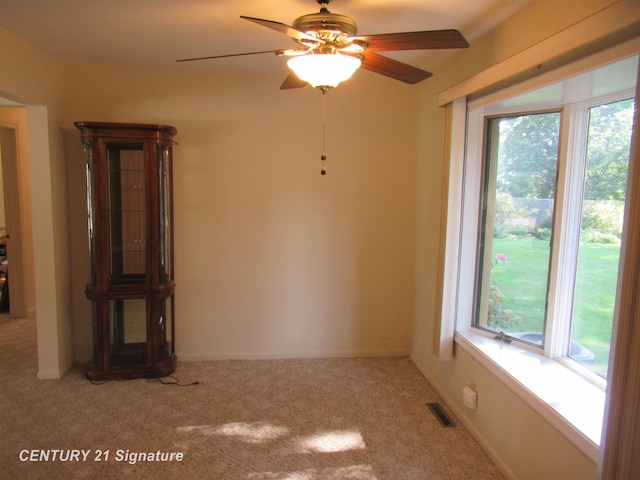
{"points": [[323, 157]]}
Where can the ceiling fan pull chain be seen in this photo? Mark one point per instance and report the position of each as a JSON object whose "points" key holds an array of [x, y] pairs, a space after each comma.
{"points": [[323, 157]]}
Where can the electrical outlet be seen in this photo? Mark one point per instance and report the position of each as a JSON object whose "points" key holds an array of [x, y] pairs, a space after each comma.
{"points": [[470, 398]]}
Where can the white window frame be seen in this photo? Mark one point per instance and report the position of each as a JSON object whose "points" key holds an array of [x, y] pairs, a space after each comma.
{"points": [[567, 228], [571, 164], [579, 413]]}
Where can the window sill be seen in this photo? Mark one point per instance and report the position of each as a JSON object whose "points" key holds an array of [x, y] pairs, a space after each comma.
{"points": [[572, 404]]}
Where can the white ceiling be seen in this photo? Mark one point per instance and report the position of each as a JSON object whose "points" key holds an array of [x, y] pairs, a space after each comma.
{"points": [[158, 32]]}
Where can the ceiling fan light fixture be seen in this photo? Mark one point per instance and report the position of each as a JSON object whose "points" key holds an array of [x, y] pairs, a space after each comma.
{"points": [[324, 70]]}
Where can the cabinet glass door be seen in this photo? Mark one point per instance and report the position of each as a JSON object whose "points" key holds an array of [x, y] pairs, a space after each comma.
{"points": [[126, 213], [164, 204], [128, 331], [90, 219], [165, 330]]}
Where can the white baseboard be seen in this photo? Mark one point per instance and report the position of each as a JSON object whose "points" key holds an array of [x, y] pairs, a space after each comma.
{"points": [[206, 357], [49, 375], [53, 374]]}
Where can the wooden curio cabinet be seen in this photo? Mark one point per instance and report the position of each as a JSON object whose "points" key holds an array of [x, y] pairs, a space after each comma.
{"points": [[129, 202]]}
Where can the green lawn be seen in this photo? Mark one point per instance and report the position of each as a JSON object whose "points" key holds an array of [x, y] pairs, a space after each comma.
{"points": [[522, 280]]}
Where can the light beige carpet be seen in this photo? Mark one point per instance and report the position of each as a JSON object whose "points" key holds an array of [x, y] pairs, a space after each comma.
{"points": [[323, 419]]}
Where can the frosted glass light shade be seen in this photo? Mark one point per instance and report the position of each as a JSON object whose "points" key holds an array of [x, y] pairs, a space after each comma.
{"points": [[324, 69]]}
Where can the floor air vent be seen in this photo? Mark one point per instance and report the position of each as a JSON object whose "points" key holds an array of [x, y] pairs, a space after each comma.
{"points": [[440, 414]]}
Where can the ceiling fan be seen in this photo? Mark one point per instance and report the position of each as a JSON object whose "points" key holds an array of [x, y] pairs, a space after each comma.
{"points": [[330, 50]]}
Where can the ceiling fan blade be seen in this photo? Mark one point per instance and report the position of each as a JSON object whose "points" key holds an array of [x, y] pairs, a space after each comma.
{"points": [[431, 39], [292, 81], [286, 29], [393, 69], [277, 52]]}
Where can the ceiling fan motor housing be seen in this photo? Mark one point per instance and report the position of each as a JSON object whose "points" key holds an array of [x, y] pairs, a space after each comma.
{"points": [[330, 27]]}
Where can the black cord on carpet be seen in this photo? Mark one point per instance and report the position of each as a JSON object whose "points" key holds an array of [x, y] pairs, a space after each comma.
{"points": [[173, 381]]}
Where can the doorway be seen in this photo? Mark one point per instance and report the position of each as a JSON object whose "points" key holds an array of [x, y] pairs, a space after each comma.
{"points": [[18, 295], [4, 262]]}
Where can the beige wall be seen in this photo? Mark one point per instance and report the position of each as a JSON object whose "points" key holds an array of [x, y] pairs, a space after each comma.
{"points": [[34, 79], [272, 259], [517, 438]]}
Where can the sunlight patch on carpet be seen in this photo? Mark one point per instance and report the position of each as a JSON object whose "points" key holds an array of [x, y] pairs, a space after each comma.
{"points": [[353, 472], [256, 432], [330, 442]]}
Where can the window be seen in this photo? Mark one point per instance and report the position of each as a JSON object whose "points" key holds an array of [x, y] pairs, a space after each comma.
{"points": [[518, 198], [536, 198], [521, 231], [601, 226]]}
